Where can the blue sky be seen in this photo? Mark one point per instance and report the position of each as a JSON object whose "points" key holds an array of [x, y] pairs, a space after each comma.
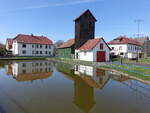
{"points": [[54, 18]]}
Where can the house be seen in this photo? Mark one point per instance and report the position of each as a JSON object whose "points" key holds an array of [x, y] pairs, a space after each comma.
{"points": [[95, 50], [85, 36], [9, 43], [125, 47], [30, 45], [67, 49], [146, 48], [145, 42], [84, 31]]}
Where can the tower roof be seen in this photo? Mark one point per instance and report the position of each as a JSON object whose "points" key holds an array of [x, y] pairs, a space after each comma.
{"points": [[84, 13]]}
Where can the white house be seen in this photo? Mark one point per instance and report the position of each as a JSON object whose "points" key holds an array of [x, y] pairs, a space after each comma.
{"points": [[95, 50], [30, 45], [125, 47]]}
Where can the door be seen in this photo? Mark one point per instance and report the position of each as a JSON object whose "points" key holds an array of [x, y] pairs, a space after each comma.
{"points": [[101, 56]]}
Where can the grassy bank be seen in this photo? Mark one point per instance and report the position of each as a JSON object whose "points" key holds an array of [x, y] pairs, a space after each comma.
{"points": [[140, 61], [131, 70], [22, 58], [142, 73]]}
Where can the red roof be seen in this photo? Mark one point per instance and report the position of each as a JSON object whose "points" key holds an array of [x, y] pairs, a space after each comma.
{"points": [[9, 41], [124, 40], [31, 39], [69, 43], [90, 44]]}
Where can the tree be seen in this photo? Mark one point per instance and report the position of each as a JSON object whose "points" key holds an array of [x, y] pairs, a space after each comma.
{"points": [[2, 50], [57, 45]]}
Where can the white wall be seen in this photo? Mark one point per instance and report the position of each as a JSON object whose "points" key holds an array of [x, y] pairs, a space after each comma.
{"points": [[18, 50], [91, 55], [128, 50], [82, 71], [31, 67], [85, 55], [106, 49]]}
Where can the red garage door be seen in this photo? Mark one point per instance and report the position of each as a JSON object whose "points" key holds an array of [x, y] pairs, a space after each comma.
{"points": [[101, 56]]}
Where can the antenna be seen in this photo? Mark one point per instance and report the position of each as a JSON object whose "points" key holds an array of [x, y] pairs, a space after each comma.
{"points": [[138, 21]]}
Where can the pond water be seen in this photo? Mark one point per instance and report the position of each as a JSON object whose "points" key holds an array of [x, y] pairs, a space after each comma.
{"points": [[49, 87]]}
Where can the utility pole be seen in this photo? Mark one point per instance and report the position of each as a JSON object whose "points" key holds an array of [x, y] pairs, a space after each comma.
{"points": [[138, 21]]}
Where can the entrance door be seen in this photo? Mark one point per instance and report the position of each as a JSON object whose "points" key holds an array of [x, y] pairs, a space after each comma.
{"points": [[101, 56]]}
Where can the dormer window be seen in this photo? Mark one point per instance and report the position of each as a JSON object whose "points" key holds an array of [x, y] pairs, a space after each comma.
{"points": [[101, 46]]}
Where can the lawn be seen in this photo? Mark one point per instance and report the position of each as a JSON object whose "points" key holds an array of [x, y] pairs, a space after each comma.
{"points": [[140, 61], [132, 70]]}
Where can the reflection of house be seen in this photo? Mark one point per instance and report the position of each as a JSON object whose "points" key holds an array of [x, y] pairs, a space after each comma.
{"points": [[119, 78], [26, 71], [96, 78], [83, 92], [9, 69]]}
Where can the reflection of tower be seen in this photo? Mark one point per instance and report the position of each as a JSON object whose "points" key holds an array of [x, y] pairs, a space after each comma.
{"points": [[83, 95]]}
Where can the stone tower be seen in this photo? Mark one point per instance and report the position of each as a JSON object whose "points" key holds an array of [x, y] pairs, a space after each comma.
{"points": [[84, 28]]}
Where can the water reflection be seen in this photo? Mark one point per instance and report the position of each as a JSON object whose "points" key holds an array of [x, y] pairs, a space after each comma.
{"points": [[85, 79], [29, 71], [70, 89]]}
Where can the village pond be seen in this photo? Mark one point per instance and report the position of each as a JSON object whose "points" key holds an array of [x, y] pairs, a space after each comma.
{"points": [[50, 87]]}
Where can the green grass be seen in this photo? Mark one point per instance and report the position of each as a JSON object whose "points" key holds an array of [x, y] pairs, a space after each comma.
{"points": [[140, 61], [131, 71]]}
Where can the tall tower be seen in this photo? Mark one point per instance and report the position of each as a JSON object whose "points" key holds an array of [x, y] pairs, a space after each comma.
{"points": [[84, 28]]}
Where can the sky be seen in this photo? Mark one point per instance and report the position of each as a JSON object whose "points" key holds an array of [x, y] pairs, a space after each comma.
{"points": [[54, 18]]}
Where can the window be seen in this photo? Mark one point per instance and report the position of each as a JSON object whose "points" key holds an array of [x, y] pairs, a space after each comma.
{"points": [[49, 47], [40, 52], [85, 53], [23, 71], [24, 46], [45, 52], [37, 64], [37, 46], [112, 48], [40, 46], [101, 46], [32, 46], [37, 52], [128, 48], [24, 52], [46, 46], [23, 65], [50, 53], [120, 48], [32, 52], [121, 53]]}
